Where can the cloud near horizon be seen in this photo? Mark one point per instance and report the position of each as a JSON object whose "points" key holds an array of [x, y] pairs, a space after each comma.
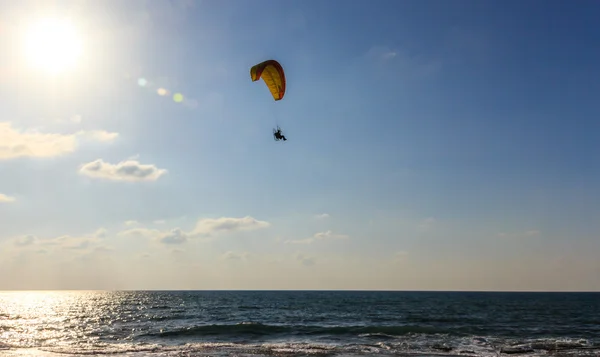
{"points": [[128, 170], [86, 242], [230, 255], [320, 236], [306, 260], [15, 143], [205, 229]]}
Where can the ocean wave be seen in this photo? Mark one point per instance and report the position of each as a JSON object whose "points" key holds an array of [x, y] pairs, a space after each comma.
{"points": [[433, 347], [259, 329]]}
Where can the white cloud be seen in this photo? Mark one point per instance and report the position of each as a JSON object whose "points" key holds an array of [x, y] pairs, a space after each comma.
{"points": [[327, 235], [204, 228], [160, 221], [16, 143], [175, 236], [77, 242], [6, 199], [305, 260], [25, 240], [142, 233], [322, 216], [229, 255], [129, 170], [211, 226], [99, 135], [76, 118], [131, 223], [101, 233], [87, 242], [70, 242]]}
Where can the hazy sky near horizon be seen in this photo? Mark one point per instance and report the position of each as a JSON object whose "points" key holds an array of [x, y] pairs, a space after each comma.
{"points": [[445, 145]]}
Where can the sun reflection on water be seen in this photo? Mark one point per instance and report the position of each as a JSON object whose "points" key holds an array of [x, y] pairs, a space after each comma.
{"points": [[51, 318]]}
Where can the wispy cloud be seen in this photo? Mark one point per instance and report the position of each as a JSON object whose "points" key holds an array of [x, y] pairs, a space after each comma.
{"points": [[175, 236], [388, 55], [322, 216], [305, 260], [129, 170], [327, 235], [25, 240], [211, 226], [99, 135], [403, 60], [141, 233], [88, 242], [6, 199], [100, 233], [525, 234], [204, 228], [229, 255], [131, 223], [16, 143]]}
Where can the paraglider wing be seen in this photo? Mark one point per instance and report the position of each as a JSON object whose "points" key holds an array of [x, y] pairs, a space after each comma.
{"points": [[272, 73]]}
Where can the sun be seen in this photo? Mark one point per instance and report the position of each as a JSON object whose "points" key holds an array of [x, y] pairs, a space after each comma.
{"points": [[52, 45]]}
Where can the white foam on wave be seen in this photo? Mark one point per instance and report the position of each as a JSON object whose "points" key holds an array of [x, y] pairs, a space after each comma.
{"points": [[413, 345]]}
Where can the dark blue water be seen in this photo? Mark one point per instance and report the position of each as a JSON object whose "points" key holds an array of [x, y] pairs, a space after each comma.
{"points": [[299, 323]]}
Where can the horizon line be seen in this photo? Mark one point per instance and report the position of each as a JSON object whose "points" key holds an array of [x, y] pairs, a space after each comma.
{"points": [[301, 290]]}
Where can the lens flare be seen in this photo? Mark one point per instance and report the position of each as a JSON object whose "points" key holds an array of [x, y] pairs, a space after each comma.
{"points": [[151, 86]]}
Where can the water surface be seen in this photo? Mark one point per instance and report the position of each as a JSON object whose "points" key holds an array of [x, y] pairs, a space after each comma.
{"points": [[199, 323]]}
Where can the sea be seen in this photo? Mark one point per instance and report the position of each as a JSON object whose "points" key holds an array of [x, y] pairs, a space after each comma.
{"points": [[298, 323]]}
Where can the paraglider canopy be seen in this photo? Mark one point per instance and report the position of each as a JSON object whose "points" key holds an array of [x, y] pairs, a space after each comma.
{"points": [[272, 74]]}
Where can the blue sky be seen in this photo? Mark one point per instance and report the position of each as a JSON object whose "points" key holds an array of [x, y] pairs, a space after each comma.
{"points": [[432, 145]]}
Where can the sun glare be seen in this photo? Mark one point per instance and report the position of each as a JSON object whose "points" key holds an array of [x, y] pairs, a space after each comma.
{"points": [[52, 45]]}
